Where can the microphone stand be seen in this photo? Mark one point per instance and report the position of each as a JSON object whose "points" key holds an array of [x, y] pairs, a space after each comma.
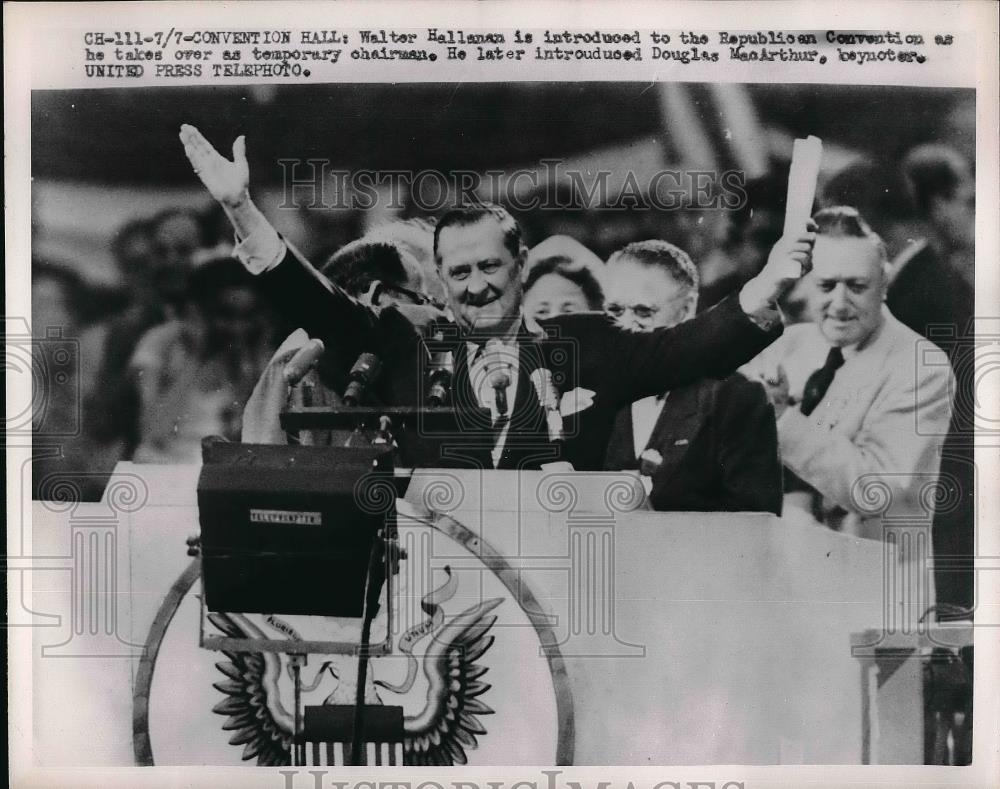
{"points": [[359, 756]]}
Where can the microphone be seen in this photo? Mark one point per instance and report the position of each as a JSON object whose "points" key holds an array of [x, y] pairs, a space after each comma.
{"points": [[383, 436], [548, 396], [440, 377], [303, 361], [363, 374], [498, 373]]}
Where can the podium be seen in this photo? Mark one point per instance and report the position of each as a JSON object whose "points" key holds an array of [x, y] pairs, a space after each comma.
{"points": [[685, 638], [606, 634]]}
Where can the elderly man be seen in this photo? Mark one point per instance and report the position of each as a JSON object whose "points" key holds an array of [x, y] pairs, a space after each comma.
{"points": [[709, 446], [862, 406], [596, 367]]}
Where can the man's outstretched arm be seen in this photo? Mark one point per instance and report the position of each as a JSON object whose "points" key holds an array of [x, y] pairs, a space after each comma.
{"points": [[711, 345], [228, 182], [303, 295]]}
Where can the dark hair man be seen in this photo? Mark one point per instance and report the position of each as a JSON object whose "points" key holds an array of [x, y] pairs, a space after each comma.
{"points": [[933, 278], [597, 366], [709, 446], [932, 292], [378, 273], [940, 183]]}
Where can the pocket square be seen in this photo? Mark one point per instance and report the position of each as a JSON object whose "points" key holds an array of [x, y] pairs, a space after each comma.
{"points": [[575, 400]]}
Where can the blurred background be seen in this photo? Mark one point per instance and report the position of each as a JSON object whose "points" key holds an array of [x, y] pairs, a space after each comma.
{"points": [[130, 257]]}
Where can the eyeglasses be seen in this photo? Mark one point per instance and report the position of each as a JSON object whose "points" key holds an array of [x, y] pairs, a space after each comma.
{"points": [[642, 312], [404, 294]]}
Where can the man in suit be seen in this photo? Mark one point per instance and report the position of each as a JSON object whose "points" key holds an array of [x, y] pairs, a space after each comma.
{"points": [[708, 446], [373, 269], [862, 407], [596, 367], [932, 292], [932, 279]]}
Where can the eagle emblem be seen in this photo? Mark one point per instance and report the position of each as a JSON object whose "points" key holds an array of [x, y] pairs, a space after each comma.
{"points": [[256, 685]]}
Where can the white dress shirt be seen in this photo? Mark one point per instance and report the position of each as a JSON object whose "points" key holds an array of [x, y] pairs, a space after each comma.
{"points": [[645, 412]]}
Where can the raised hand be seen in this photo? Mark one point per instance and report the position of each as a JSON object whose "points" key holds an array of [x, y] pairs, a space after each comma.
{"points": [[789, 261], [227, 181]]}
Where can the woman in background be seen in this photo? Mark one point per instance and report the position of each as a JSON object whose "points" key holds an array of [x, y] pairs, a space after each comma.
{"points": [[557, 285]]}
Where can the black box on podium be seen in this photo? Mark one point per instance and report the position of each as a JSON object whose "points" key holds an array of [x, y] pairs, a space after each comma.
{"points": [[291, 529]]}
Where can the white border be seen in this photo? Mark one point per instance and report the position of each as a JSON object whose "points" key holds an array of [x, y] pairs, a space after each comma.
{"points": [[26, 26]]}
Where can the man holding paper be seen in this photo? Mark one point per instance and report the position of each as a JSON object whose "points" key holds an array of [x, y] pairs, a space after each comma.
{"points": [[479, 255], [862, 411]]}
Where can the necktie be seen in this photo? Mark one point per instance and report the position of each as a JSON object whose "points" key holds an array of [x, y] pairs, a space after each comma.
{"points": [[476, 351], [820, 381]]}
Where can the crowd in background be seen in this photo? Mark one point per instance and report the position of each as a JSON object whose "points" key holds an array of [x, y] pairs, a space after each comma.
{"points": [[168, 357], [171, 346], [173, 352]]}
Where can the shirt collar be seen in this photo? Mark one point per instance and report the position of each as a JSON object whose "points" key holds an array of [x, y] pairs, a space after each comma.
{"points": [[509, 338]]}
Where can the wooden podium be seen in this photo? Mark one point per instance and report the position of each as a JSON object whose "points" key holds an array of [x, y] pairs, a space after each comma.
{"points": [[622, 636]]}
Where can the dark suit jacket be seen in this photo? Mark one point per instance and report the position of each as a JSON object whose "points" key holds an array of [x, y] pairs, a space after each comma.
{"points": [[928, 292], [934, 300], [582, 350], [719, 445]]}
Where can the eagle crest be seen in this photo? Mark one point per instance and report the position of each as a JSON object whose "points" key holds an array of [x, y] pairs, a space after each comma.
{"points": [[440, 734], [252, 705]]}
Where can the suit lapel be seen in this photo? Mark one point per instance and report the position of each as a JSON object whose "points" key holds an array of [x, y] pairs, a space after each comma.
{"points": [[527, 431], [676, 428], [462, 393], [620, 453], [526, 412], [473, 446]]}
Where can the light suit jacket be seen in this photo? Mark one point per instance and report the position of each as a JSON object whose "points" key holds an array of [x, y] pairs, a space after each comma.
{"points": [[872, 446]]}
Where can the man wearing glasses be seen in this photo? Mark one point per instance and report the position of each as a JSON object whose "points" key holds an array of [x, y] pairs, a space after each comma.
{"points": [[377, 272], [708, 446]]}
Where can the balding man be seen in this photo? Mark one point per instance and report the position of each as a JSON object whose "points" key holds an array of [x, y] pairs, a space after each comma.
{"points": [[862, 410]]}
